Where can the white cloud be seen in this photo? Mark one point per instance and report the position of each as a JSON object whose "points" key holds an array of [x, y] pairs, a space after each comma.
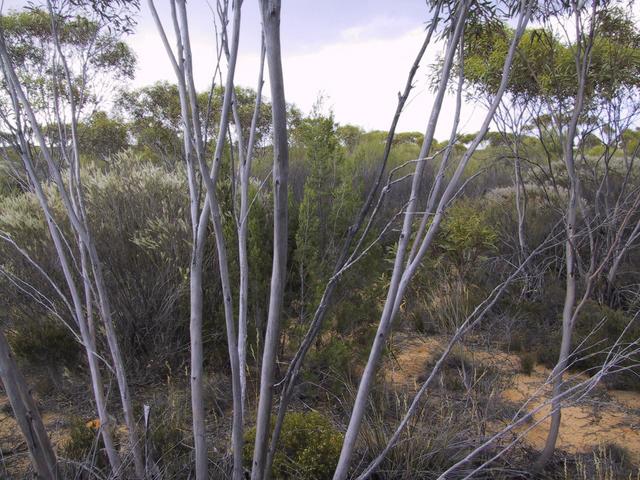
{"points": [[360, 74]]}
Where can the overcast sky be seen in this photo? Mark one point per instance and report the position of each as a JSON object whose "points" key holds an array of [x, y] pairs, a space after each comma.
{"points": [[356, 54]]}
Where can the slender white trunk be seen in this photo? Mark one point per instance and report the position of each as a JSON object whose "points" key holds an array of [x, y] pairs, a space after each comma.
{"points": [[81, 228], [216, 218], [88, 338], [360, 404], [344, 258], [270, 10], [198, 230], [439, 178], [582, 61], [197, 366], [520, 205], [245, 176], [402, 274]]}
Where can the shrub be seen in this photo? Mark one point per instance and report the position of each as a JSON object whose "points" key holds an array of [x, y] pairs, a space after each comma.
{"points": [[449, 304], [85, 443], [330, 359], [606, 462], [461, 372], [46, 343], [594, 344], [465, 236], [598, 342], [527, 363], [547, 355], [139, 217], [167, 439], [309, 447]]}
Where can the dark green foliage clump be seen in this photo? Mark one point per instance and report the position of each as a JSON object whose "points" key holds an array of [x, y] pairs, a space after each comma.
{"points": [[46, 343], [309, 447], [85, 443], [600, 328], [527, 363]]}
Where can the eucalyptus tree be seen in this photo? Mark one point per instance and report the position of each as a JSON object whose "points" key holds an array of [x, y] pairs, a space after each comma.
{"points": [[414, 242], [153, 116], [585, 20], [270, 13], [64, 52], [405, 264], [593, 77], [572, 83], [198, 171]]}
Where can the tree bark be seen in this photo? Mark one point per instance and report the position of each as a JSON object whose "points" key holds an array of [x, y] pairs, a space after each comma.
{"points": [[366, 381], [344, 258], [402, 274], [582, 60], [26, 414], [81, 228], [88, 338], [270, 10], [245, 176]]}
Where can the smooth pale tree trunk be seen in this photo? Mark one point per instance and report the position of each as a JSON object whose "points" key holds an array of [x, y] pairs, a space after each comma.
{"points": [[364, 388], [87, 249], [344, 258], [568, 315], [26, 414], [194, 145], [402, 275], [520, 204], [210, 180], [470, 322], [270, 10], [197, 367], [439, 178], [197, 251], [82, 231], [521, 212], [245, 176], [88, 338], [84, 324]]}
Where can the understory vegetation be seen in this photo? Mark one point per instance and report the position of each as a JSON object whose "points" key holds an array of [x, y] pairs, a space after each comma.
{"points": [[512, 219]]}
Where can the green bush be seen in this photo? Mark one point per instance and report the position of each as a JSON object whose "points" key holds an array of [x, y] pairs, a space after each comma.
{"points": [[594, 344], [332, 358], [466, 235], [515, 343], [547, 355], [309, 447], [167, 439], [449, 304], [461, 366], [84, 444], [527, 363], [46, 343], [597, 343]]}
